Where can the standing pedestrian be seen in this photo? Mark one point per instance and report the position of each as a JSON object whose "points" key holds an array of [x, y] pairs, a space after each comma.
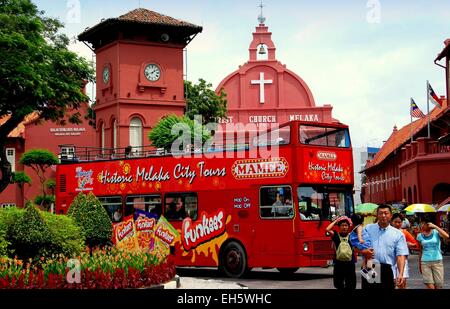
{"points": [[398, 222], [344, 276], [389, 249], [431, 266]]}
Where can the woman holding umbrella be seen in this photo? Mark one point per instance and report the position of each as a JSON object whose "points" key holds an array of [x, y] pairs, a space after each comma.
{"points": [[431, 266]]}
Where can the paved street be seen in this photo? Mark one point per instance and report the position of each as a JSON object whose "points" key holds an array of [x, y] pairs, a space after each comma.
{"points": [[304, 278]]}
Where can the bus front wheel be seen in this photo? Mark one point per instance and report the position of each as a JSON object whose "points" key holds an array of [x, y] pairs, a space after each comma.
{"points": [[233, 260]]}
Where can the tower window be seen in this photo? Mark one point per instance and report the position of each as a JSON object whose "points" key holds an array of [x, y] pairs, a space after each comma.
{"points": [[136, 134]]}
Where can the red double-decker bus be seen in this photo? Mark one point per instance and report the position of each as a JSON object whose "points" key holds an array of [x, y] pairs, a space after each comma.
{"points": [[235, 209]]}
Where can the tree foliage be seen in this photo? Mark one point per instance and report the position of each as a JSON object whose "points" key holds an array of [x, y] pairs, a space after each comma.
{"points": [[67, 237], [39, 160], [202, 100], [94, 221], [30, 234], [172, 127], [37, 72], [21, 178]]}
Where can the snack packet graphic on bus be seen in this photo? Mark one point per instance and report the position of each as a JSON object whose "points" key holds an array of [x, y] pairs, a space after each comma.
{"points": [[125, 235], [165, 237], [145, 224]]}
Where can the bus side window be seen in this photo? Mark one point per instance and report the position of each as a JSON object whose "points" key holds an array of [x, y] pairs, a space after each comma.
{"points": [[178, 206], [148, 203], [113, 206], [276, 202]]}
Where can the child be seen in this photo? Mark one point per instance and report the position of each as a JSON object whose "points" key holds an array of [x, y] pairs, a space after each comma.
{"points": [[361, 240]]}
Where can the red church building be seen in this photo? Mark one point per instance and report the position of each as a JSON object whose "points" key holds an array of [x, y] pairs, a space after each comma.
{"points": [[264, 92]]}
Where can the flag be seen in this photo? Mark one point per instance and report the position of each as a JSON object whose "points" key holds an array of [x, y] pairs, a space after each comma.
{"points": [[415, 110], [434, 98]]}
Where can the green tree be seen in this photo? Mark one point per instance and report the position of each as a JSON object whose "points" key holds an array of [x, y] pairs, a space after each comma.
{"points": [[39, 160], [93, 219], [171, 128], [37, 72], [202, 100], [21, 178], [30, 234]]}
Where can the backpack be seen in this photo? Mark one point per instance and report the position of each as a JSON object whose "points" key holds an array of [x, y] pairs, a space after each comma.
{"points": [[344, 251]]}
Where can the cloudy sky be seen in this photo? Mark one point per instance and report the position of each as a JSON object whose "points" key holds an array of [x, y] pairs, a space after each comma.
{"points": [[364, 57]]}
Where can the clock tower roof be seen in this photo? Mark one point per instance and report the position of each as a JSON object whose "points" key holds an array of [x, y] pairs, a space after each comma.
{"points": [[140, 22]]}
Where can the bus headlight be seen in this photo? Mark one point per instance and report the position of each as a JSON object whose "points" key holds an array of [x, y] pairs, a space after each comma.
{"points": [[305, 246]]}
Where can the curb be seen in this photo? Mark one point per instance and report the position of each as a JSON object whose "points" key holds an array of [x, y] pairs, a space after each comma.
{"points": [[175, 283]]}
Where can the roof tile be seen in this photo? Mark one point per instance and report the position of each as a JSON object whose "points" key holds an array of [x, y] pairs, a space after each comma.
{"points": [[150, 17]]}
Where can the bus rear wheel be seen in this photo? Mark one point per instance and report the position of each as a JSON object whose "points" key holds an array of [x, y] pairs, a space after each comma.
{"points": [[287, 271], [233, 260]]}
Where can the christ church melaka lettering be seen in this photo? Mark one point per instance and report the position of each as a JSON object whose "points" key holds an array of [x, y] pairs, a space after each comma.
{"points": [[84, 178], [260, 168], [203, 230]]}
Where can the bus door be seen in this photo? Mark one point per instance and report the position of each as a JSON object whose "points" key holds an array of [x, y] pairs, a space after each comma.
{"points": [[317, 206], [275, 227]]}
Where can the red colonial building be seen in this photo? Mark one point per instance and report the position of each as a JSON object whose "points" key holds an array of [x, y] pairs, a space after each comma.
{"points": [[264, 92], [417, 171], [32, 134]]}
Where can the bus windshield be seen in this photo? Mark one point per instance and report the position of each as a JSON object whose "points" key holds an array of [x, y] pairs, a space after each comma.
{"points": [[322, 136], [324, 202]]}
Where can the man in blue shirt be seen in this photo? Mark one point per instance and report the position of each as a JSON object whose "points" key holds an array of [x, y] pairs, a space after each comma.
{"points": [[389, 248]]}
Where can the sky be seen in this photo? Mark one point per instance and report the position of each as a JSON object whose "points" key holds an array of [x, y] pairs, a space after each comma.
{"points": [[364, 57]]}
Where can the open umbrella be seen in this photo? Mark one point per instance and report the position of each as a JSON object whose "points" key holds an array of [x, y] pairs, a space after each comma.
{"points": [[366, 208], [420, 208], [445, 208]]}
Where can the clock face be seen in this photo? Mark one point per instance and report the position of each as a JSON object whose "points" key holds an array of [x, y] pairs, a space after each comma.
{"points": [[106, 75], [152, 72]]}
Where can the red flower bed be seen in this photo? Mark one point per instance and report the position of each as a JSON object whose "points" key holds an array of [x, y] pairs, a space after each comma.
{"points": [[96, 272]]}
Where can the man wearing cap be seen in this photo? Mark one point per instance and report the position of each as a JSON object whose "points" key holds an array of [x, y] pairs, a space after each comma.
{"points": [[344, 276]]}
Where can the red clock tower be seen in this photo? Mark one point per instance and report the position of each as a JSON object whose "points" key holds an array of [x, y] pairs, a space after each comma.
{"points": [[139, 74]]}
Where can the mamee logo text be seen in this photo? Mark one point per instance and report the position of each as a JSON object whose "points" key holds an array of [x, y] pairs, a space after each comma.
{"points": [[260, 168], [326, 155]]}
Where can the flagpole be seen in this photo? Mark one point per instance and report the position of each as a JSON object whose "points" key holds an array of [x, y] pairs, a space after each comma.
{"points": [[428, 108], [410, 123]]}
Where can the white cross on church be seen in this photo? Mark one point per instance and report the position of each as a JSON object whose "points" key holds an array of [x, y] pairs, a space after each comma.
{"points": [[261, 82]]}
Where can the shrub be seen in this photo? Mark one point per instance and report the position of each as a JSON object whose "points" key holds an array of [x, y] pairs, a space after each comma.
{"points": [[3, 242], [90, 215], [8, 216], [63, 236], [44, 201], [29, 235], [66, 237]]}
